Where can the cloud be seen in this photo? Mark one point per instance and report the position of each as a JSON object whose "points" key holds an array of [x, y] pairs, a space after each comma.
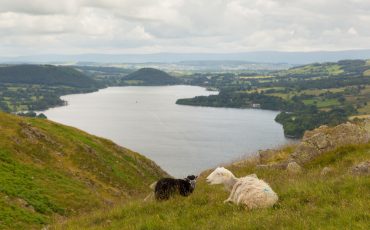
{"points": [[119, 26]]}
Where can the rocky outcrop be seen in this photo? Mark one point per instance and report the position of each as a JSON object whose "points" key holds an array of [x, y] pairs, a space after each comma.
{"points": [[314, 143], [324, 139], [34, 135]]}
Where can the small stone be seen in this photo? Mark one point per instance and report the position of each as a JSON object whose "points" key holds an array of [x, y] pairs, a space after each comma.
{"points": [[293, 167], [59, 154], [326, 170]]}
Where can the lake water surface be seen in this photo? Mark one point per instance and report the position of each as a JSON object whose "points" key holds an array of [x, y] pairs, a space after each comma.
{"points": [[181, 139]]}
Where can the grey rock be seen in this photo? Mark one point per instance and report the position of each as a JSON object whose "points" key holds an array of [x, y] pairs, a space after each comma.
{"points": [[324, 139]]}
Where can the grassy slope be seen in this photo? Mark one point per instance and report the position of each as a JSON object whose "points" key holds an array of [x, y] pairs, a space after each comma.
{"points": [[307, 201], [48, 170]]}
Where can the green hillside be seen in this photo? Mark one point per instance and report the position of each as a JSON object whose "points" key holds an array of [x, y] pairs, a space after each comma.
{"points": [[51, 171], [45, 75], [149, 76], [328, 193]]}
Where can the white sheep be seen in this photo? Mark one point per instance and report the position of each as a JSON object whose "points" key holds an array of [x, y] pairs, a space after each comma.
{"points": [[249, 190]]}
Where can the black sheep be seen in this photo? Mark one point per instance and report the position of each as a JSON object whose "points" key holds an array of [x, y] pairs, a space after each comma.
{"points": [[167, 187]]}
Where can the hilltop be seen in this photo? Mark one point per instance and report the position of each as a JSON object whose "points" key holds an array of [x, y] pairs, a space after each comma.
{"points": [[149, 76], [327, 189], [45, 75], [48, 170]]}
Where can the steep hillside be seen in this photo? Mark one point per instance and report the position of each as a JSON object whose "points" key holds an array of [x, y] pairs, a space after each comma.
{"points": [[45, 75], [329, 190], [149, 76], [48, 170]]}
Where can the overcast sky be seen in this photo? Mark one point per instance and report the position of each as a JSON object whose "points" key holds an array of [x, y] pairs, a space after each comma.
{"points": [[150, 26]]}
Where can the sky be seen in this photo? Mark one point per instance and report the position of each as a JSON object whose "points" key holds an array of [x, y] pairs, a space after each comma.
{"points": [[29, 27]]}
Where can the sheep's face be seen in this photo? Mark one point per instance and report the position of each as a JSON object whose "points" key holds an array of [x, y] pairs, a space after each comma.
{"points": [[219, 176], [192, 180], [191, 177]]}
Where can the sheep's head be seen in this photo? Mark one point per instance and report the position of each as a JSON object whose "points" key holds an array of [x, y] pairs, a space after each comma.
{"points": [[192, 180], [191, 177], [219, 176]]}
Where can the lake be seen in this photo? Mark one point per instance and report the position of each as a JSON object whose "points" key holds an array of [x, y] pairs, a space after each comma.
{"points": [[181, 139]]}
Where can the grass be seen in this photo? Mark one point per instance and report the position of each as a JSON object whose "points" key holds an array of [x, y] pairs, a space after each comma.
{"points": [[306, 201], [322, 103], [367, 73], [317, 92], [257, 77], [49, 170], [365, 109], [325, 69]]}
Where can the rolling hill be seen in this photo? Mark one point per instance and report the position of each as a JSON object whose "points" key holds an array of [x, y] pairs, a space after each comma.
{"points": [[45, 75], [149, 76], [48, 170]]}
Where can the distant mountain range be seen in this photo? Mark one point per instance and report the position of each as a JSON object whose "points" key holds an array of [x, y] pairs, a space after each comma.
{"points": [[253, 57]]}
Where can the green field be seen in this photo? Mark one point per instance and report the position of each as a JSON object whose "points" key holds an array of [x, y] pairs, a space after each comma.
{"points": [[329, 69], [322, 103]]}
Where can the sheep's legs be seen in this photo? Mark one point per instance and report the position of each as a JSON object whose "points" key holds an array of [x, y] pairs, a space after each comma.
{"points": [[232, 194], [230, 198]]}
